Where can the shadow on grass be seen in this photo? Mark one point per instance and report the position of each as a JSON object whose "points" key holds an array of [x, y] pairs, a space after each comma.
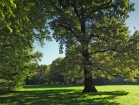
{"points": [[61, 97], [48, 86]]}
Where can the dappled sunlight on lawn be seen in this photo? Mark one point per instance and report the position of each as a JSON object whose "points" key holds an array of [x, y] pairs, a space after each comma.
{"points": [[61, 97]]}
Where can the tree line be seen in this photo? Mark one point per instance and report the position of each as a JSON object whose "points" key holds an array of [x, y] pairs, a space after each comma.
{"points": [[56, 73]]}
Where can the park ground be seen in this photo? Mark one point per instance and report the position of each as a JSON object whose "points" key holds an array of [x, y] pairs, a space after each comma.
{"points": [[72, 95]]}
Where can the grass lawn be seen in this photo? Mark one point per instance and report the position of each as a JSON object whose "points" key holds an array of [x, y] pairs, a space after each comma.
{"points": [[72, 95]]}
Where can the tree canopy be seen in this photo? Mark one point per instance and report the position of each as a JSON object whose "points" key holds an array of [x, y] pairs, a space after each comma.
{"points": [[21, 24], [97, 31]]}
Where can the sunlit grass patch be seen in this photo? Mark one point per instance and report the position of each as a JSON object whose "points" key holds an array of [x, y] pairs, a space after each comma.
{"points": [[72, 95]]}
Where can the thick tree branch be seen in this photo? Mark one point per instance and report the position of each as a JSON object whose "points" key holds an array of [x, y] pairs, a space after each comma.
{"points": [[83, 27], [98, 37], [77, 13], [104, 68], [8, 45], [56, 7], [62, 3], [107, 72], [103, 6], [69, 29], [103, 51]]}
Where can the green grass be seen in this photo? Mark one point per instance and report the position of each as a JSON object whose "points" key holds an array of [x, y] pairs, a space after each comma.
{"points": [[72, 95]]}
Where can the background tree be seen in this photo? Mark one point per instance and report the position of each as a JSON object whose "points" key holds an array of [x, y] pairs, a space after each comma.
{"points": [[63, 72], [73, 63], [57, 74], [21, 24], [39, 75], [98, 29]]}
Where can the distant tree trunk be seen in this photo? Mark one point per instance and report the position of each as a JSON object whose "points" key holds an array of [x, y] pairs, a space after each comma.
{"points": [[87, 67]]}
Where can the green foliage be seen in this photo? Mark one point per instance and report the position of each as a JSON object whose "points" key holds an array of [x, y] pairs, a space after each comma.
{"points": [[39, 75], [19, 28], [58, 72], [62, 71]]}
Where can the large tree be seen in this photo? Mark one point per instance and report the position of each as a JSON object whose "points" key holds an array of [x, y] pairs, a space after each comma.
{"points": [[97, 29], [20, 24]]}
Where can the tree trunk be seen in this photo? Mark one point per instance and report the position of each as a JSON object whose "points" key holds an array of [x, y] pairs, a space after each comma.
{"points": [[88, 83], [87, 67]]}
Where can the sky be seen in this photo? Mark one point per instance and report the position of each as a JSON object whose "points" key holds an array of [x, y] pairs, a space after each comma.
{"points": [[51, 49], [133, 20]]}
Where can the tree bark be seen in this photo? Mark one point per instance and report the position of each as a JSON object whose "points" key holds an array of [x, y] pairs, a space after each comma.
{"points": [[88, 83], [87, 67]]}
